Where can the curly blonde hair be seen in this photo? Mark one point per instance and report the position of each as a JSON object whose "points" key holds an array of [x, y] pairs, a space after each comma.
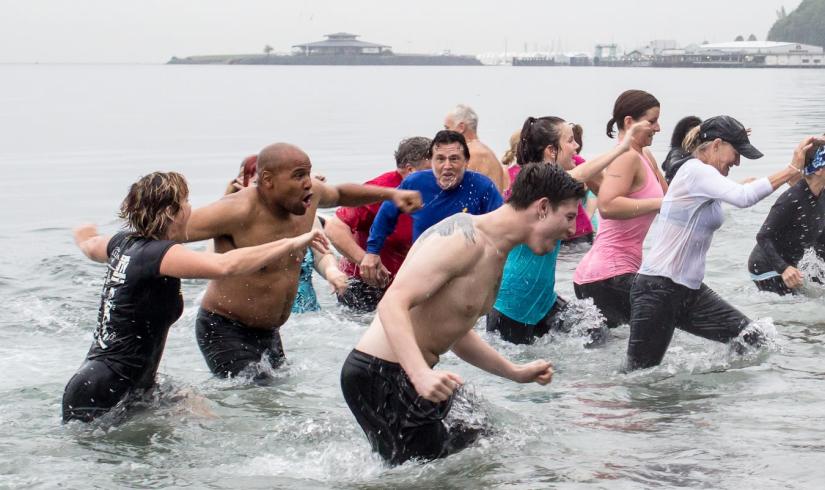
{"points": [[152, 203]]}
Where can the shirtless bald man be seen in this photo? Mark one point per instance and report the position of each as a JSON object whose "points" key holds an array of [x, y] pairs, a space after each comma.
{"points": [[448, 280], [463, 119], [239, 318]]}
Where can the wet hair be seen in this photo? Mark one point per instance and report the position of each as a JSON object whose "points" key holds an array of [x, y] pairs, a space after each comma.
{"points": [[466, 114], [681, 130], [633, 103], [152, 203], [537, 180], [692, 143], [510, 155], [447, 137], [412, 150], [578, 132], [536, 135]]}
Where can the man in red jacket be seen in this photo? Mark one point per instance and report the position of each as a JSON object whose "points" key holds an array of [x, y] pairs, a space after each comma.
{"points": [[349, 229]]}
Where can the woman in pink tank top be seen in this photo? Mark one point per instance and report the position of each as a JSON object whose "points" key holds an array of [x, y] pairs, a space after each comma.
{"points": [[629, 198]]}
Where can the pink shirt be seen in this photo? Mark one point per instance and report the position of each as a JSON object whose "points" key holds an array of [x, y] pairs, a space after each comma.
{"points": [[583, 224], [617, 248]]}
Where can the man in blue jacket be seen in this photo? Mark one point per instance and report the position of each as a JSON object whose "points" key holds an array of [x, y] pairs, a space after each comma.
{"points": [[447, 189]]}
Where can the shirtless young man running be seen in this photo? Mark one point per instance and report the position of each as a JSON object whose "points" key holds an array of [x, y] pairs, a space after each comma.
{"points": [[449, 279], [239, 318]]}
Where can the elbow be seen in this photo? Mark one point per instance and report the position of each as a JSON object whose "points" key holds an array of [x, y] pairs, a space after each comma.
{"points": [[608, 212]]}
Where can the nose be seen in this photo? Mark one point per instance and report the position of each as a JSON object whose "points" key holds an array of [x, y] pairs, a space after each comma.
{"points": [[571, 229]]}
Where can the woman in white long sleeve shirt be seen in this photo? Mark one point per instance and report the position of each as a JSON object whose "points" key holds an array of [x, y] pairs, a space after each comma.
{"points": [[669, 293]]}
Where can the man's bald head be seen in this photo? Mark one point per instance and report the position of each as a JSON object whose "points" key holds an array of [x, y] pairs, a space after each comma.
{"points": [[280, 156]]}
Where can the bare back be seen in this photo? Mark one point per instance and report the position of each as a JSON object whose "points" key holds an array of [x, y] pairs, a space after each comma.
{"points": [[484, 161], [452, 273], [264, 298]]}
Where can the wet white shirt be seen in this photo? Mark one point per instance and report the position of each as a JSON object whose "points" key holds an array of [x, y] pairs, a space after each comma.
{"points": [[691, 212]]}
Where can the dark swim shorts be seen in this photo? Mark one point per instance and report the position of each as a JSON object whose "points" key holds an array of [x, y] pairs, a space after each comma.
{"points": [[230, 347], [400, 424]]}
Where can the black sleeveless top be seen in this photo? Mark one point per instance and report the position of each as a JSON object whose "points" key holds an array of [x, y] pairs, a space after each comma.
{"points": [[137, 307]]}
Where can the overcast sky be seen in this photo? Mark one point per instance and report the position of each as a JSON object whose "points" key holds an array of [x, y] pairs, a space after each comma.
{"points": [[152, 31]]}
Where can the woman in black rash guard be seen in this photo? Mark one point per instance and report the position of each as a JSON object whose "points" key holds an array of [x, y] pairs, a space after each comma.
{"points": [[141, 295], [795, 223]]}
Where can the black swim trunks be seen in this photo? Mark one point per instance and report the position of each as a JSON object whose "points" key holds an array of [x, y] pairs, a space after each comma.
{"points": [[399, 424], [230, 347]]}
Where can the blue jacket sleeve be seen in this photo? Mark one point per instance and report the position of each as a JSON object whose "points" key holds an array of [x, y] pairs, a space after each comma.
{"points": [[382, 227]]}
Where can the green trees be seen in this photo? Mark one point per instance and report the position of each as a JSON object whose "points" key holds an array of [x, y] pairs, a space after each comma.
{"points": [[804, 25]]}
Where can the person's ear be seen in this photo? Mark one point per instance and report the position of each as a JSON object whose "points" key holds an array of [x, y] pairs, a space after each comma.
{"points": [[627, 121], [265, 178]]}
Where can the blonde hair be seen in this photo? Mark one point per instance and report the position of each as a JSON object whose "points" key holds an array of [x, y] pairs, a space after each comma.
{"points": [[152, 203], [510, 154], [692, 144]]}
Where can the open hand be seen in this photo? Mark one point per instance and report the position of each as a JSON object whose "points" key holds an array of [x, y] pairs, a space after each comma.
{"points": [[407, 201], [314, 238], [436, 386]]}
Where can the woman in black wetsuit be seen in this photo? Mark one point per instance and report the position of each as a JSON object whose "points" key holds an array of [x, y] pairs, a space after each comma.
{"points": [[795, 223], [141, 295]]}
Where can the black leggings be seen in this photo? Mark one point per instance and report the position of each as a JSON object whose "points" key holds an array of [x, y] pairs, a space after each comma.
{"points": [[93, 391], [774, 285], [360, 296], [399, 424], [230, 347], [611, 296], [660, 306], [524, 333]]}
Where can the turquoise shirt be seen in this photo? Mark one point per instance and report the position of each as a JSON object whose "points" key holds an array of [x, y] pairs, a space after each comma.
{"points": [[527, 291], [306, 300], [594, 220]]}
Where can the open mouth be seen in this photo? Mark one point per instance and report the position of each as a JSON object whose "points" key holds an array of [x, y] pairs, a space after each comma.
{"points": [[307, 200]]}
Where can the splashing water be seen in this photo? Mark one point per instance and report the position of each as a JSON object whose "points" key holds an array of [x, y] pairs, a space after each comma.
{"points": [[813, 270]]}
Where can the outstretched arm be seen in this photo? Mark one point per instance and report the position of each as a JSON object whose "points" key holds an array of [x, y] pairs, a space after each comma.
{"points": [[181, 262], [326, 264], [372, 270], [90, 243], [358, 195], [477, 352]]}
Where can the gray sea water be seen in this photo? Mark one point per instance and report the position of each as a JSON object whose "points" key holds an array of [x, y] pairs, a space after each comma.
{"points": [[73, 137]]}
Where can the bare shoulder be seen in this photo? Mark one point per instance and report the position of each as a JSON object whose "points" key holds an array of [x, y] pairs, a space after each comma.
{"points": [[628, 160], [455, 239], [649, 155]]}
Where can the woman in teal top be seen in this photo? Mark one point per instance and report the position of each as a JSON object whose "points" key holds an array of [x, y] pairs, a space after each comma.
{"points": [[527, 305]]}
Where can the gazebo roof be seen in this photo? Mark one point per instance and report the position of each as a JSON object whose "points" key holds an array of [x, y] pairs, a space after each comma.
{"points": [[340, 40]]}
